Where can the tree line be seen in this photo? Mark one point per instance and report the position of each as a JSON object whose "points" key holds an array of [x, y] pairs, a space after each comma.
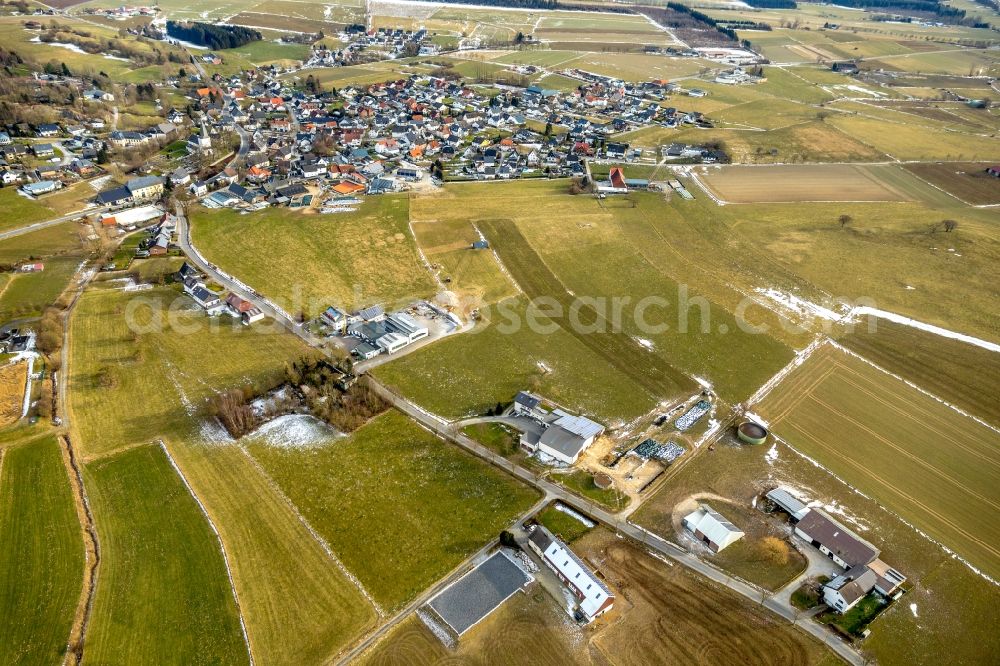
{"points": [[212, 36]]}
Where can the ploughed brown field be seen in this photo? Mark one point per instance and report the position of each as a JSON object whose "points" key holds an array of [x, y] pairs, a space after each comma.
{"points": [[795, 183]]}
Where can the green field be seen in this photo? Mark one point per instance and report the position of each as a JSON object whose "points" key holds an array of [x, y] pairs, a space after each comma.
{"points": [[399, 506], [27, 294], [965, 375], [41, 554], [20, 211], [308, 262], [58, 239], [266, 52], [933, 466], [162, 579], [134, 387], [464, 375], [270, 553], [566, 527]]}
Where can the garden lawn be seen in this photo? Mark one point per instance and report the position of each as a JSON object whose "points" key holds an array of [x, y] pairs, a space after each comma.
{"points": [[20, 211]]}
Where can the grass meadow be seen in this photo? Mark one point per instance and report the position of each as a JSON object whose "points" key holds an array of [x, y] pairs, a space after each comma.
{"points": [[131, 387], [41, 554], [931, 465], [58, 239], [162, 594], [464, 375], [159, 391], [20, 211], [551, 242], [27, 294], [271, 553], [399, 506], [308, 262]]}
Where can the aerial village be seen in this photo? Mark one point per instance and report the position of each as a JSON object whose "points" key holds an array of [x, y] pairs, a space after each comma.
{"points": [[275, 137]]}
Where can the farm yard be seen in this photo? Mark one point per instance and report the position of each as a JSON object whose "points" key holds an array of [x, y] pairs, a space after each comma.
{"points": [[933, 466], [775, 184], [314, 260], [399, 506], [41, 553], [949, 595]]}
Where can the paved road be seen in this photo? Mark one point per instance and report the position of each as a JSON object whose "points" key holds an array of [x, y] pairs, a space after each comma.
{"points": [[54, 221], [551, 490]]}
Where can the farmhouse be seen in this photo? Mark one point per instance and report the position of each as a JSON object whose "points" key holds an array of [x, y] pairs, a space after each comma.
{"points": [[206, 299], [243, 310], [564, 436], [864, 571], [711, 527], [593, 597]]}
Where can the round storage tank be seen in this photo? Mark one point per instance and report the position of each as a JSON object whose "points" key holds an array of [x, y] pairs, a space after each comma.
{"points": [[752, 433], [602, 481]]}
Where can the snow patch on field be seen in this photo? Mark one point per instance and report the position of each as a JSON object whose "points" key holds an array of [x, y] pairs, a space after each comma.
{"points": [[293, 431], [772, 454], [913, 609], [570, 512], [930, 328], [213, 432], [645, 344], [801, 306]]}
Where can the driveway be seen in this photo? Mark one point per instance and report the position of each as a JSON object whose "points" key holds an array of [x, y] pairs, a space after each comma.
{"points": [[819, 565]]}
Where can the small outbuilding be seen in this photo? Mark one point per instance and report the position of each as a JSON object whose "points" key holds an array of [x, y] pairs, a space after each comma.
{"points": [[711, 527]]}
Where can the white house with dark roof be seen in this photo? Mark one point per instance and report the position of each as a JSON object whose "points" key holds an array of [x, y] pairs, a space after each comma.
{"points": [[864, 571]]}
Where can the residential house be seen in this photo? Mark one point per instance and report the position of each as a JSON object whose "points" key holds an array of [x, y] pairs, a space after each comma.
{"points": [[593, 598]]}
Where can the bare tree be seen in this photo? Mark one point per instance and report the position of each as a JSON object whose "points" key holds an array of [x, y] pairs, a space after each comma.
{"points": [[845, 220], [949, 225]]}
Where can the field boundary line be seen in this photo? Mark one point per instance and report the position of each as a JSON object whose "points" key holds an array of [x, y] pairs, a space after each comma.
{"points": [[92, 553], [921, 462], [315, 535], [800, 358], [889, 511], [222, 547], [500, 264], [961, 411], [899, 410], [894, 489]]}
